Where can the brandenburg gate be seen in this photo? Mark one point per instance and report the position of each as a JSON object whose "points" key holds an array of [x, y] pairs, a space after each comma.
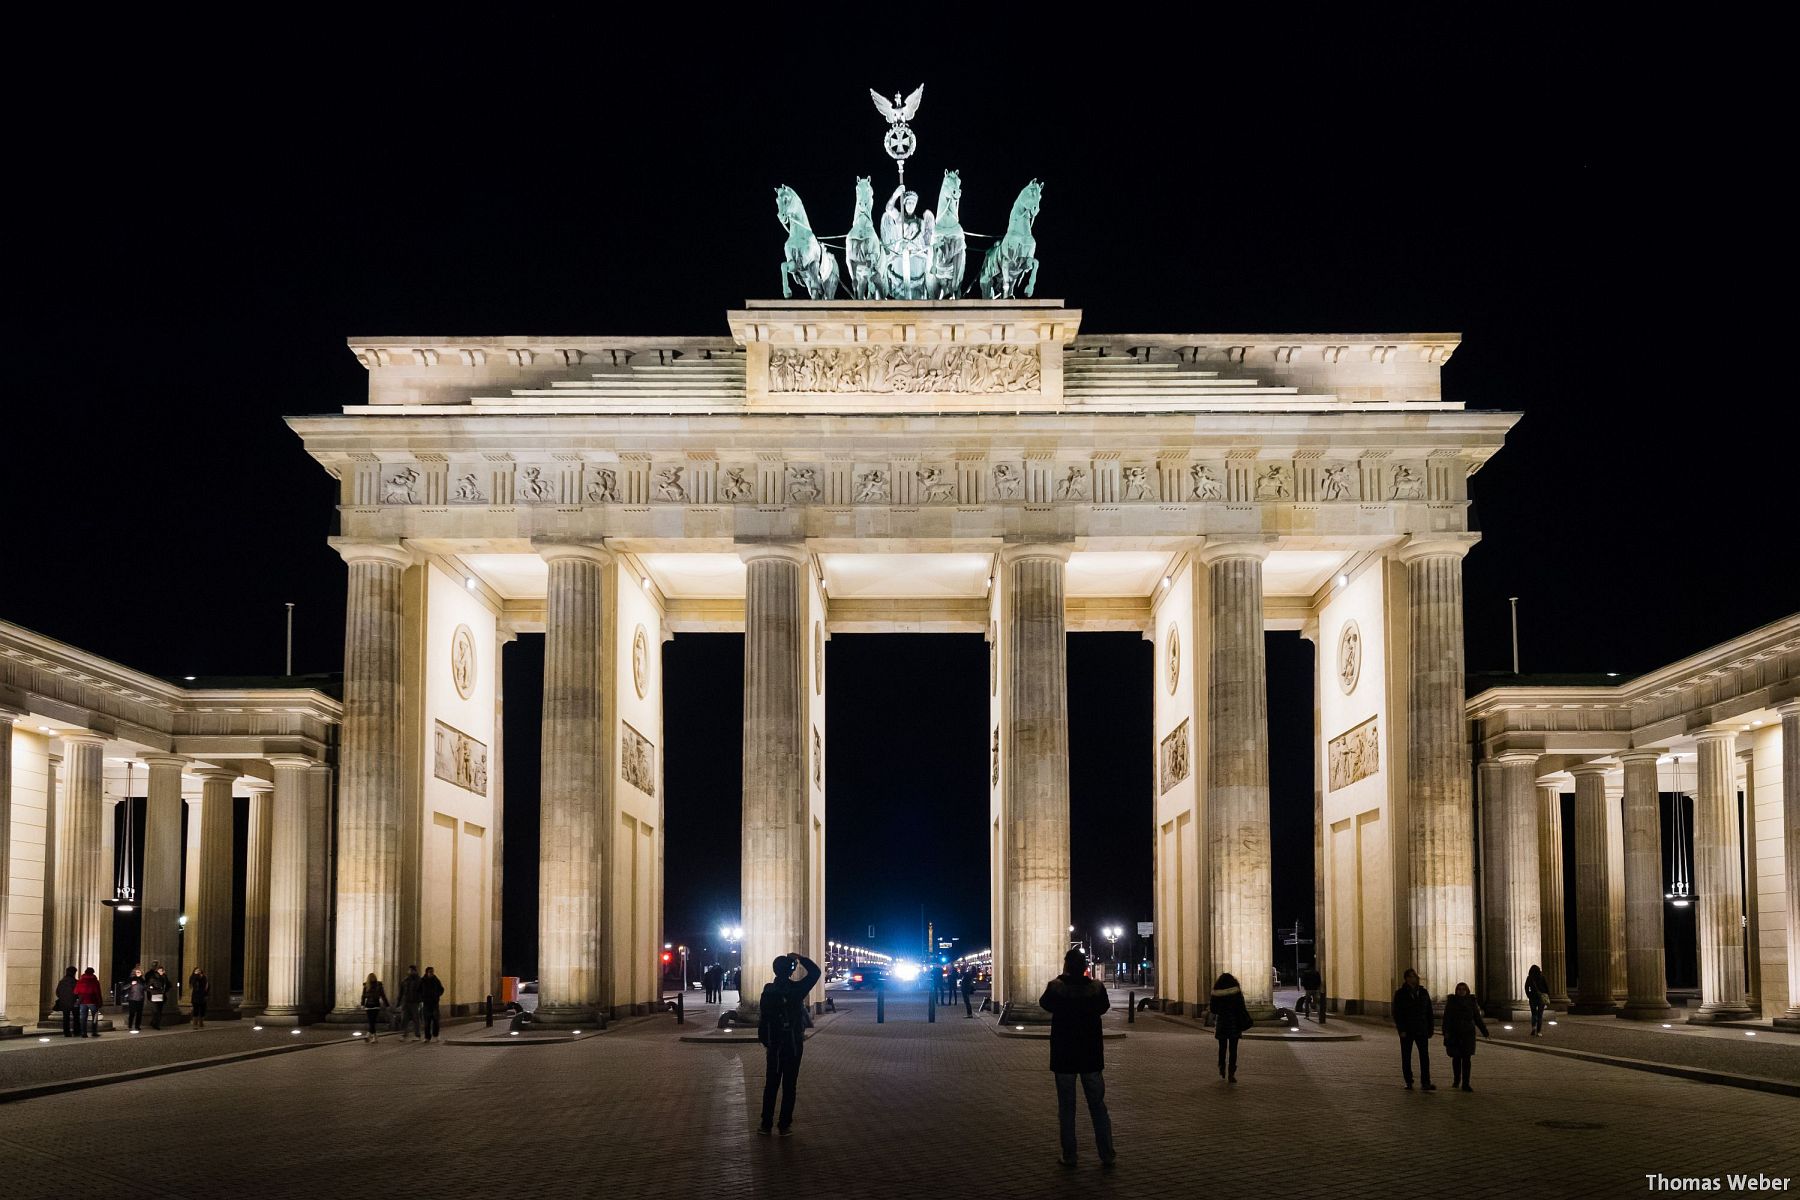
{"points": [[902, 465]]}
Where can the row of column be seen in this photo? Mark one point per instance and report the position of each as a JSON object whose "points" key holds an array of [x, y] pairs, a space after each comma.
{"points": [[1525, 885]]}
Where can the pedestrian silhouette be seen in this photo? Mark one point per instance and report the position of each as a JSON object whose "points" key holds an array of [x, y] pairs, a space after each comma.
{"points": [[781, 1025], [374, 999], [1537, 992], [1231, 1016], [1413, 1020], [1077, 1052], [1462, 1017]]}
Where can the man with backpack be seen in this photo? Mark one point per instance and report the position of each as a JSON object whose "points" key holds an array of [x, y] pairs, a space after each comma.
{"points": [[781, 1027]]}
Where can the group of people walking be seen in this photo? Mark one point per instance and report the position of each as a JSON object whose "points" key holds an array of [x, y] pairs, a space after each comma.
{"points": [[416, 1007], [1414, 1020], [79, 998], [952, 982]]}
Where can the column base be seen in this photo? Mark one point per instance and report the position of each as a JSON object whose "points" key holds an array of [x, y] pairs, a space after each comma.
{"points": [[1790, 1020], [1713, 1014], [1509, 1010], [12, 1031], [1647, 1010], [1260, 1010], [1593, 1008], [346, 1016], [1559, 1003], [568, 1016], [1018, 1012], [285, 1015]]}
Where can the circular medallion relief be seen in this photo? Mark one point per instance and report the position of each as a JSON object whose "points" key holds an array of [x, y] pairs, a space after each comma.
{"points": [[1349, 657], [640, 661], [462, 661], [1174, 657], [818, 659]]}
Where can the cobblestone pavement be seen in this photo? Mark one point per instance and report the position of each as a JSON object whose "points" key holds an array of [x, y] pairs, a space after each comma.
{"points": [[26, 1061], [902, 1109], [1771, 1054]]}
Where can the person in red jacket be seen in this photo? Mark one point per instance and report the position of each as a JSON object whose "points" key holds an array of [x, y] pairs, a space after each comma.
{"points": [[87, 995]]}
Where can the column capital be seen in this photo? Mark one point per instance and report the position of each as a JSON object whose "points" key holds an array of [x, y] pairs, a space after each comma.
{"points": [[1591, 769], [255, 783], [1718, 733], [157, 759], [1437, 545], [289, 762], [550, 550], [1517, 758], [1788, 708], [355, 550], [1216, 549], [215, 775], [793, 552], [83, 737], [1650, 754], [1013, 552]]}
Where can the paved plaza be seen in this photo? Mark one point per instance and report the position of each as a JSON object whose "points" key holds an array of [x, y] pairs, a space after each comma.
{"points": [[901, 1109]]}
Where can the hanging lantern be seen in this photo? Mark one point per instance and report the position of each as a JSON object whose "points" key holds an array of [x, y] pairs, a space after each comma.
{"points": [[124, 897], [1680, 893]]}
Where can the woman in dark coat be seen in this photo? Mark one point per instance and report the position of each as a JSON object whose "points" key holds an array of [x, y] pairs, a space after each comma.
{"points": [[374, 999], [1462, 1017], [1231, 1016], [198, 990], [1537, 992]]}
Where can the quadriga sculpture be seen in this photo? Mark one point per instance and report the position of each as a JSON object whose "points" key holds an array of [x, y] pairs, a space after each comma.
{"points": [[808, 262]]}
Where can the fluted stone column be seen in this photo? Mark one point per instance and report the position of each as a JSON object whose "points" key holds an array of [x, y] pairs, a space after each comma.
{"points": [[369, 810], [320, 910], [1790, 822], [285, 960], [256, 896], [1718, 882], [775, 756], [82, 880], [577, 740], [1550, 892], [1440, 821], [1615, 879], [1035, 773], [160, 897], [1515, 937], [7, 714], [1593, 893], [209, 929], [1237, 773], [1647, 993]]}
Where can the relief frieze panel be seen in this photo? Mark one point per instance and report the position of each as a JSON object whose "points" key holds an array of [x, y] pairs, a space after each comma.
{"points": [[942, 370], [637, 759], [460, 759], [1353, 755]]}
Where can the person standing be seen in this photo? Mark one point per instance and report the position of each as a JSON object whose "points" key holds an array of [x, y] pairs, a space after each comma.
{"points": [[431, 990], [67, 1004], [1537, 993], [1413, 1020], [374, 999], [136, 991], [781, 1028], [158, 985], [1462, 1017], [1314, 983], [1075, 1004], [1231, 1016], [408, 1000], [968, 991], [199, 988], [87, 996]]}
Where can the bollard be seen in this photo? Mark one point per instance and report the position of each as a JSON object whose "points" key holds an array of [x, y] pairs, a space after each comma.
{"points": [[489, 1006], [681, 1007], [931, 1006], [1131, 1008], [880, 1004]]}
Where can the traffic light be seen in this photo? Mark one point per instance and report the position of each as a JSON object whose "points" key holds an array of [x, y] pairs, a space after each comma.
{"points": [[667, 958]]}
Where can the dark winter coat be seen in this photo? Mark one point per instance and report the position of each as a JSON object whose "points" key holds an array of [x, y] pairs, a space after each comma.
{"points": [[431, 990], [1311, 981], [1231, 1016], [374, 995], [198, 989], [1462, 1017], [159, 985], [409, 990], [65, 994], [781, 1016], [968, 982], [1075, 1004], [1412, 1011], [1537, 988]]}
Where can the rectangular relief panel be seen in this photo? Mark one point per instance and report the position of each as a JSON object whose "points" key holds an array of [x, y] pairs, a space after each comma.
{"points": [[1177, 759], [1353, 755], [637, 759], [460, 759]]}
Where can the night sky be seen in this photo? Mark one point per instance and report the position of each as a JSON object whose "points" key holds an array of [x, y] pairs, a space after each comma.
{"points": [[190, 263]]}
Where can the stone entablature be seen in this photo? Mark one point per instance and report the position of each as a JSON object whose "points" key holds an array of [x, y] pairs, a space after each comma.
{"points": [[52, 679], [909, 356], [1757, 671]]}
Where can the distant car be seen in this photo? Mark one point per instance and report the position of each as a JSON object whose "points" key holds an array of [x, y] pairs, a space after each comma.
{"points": [[867, 978], [528, 996]]}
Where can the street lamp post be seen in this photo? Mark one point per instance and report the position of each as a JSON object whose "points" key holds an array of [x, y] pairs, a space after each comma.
{"points": [[732, 935]]}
